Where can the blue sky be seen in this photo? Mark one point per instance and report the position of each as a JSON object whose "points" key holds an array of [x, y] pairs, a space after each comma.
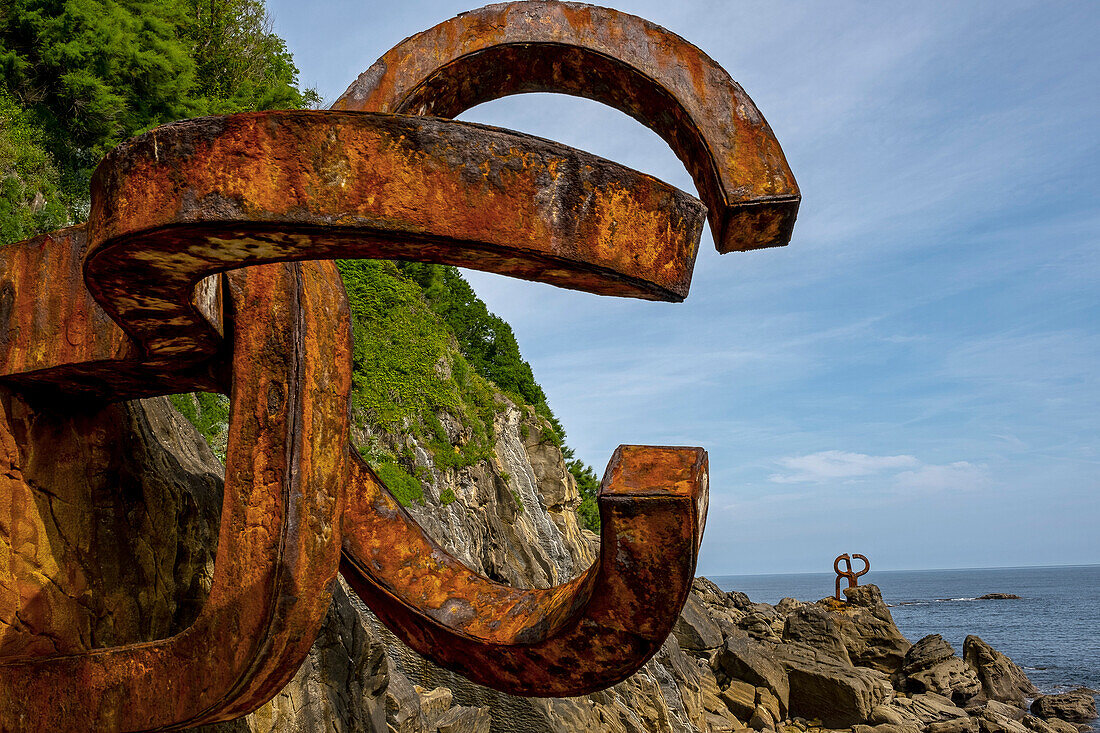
{"points": [[912, 378]]}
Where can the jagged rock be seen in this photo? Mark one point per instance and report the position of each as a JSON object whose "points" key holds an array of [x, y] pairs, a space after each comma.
{"points": [[930, 665], [992, 722], [749, 661], [761, 719], [826, 687], [815, 627], [739, 600], [1000, 678], [434, 703], [1036, 724], [886, 728], [695, 630], [1061, 726], [867, 629], [768, 701], [928, 708], [1004, 710], [999, 597], [1078, 706], [740, 698], [955, 725], [464, 720], [708, 591]]}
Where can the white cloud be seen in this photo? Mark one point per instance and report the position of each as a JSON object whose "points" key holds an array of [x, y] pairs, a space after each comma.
{"points": [[835, 464], [902, 473], [958, 476]]}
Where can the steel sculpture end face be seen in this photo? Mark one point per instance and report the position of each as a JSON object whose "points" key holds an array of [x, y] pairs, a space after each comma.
{"points": [[847, 572], [149, 298]]}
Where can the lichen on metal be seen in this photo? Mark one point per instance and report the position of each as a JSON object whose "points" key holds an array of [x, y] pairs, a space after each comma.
{"points": [[204, 266]]}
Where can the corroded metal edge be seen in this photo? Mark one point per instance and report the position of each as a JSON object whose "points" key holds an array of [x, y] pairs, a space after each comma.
{"points": [[572, 639], [612, 57], [279, 543]]}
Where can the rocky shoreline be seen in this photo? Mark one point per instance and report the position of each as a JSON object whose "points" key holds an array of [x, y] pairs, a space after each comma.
{"points": [[829, 665], [731, 665]]}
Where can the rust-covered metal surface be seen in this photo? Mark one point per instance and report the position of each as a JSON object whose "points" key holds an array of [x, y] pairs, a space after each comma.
{"points": [[59, 339], [149, 297], [847, 573], [612, 57], [195, 197], [279, 544], [571, 639]]}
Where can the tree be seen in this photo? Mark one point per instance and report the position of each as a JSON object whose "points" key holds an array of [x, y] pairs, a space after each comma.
{"points": [[90, 73], [30, 200], [240, 63]]}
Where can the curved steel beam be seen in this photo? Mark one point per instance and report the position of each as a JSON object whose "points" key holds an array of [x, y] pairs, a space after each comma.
{"points": [[622, 60], [278, 546], [165, 217], [572, 639], [192, 198]]}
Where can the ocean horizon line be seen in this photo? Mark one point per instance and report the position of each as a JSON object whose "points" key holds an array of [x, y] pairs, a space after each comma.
{"points": [[906, 570]]}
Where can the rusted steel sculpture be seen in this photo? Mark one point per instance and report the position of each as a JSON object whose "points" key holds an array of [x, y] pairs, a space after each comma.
{"points": [[202, 268], [847, 572]]}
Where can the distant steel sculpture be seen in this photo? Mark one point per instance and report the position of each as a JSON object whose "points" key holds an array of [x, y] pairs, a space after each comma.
{"points": [[203, 267], [847, 572]]}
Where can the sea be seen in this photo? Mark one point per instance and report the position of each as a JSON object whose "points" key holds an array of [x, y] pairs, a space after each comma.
{"points": [[1052, 631]]}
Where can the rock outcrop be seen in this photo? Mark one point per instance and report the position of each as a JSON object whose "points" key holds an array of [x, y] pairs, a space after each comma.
{"points": [[1000, 678], [1078, 706], [931, 665]]}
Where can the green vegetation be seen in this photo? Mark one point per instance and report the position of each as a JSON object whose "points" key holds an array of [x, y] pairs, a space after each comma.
{"points": [[447, 496], [87, 74], [489, 345], [30, 200], [407, 372], [405, 487], [77, 77], [207, 412]]}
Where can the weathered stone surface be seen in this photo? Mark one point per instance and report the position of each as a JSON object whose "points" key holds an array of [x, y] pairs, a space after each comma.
{"points": [[695, 630], [930, 665], [867, 629], [928, 708], [1000, 678], [955, 725], [886, 728], [1062, 726], [1036, 724], [992, 722], [761, 719], [740, 698], [1077, 706], [824, 686], [750, 661], [816, 627]]}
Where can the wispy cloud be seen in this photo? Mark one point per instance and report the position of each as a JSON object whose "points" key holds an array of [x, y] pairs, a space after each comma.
{"points": [[835, 464], [900, 473], [958, 476]]}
